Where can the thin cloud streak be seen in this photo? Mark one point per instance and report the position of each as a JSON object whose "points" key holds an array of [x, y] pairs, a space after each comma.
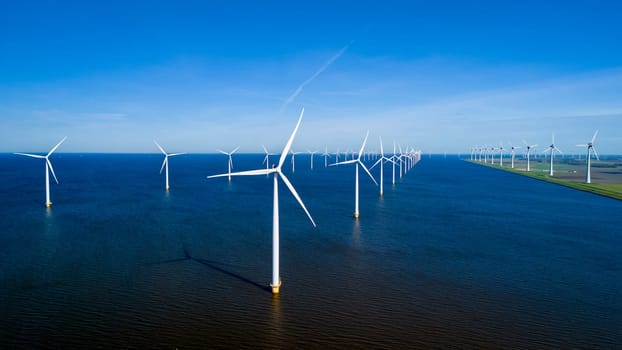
{"points": [[298, 90]]}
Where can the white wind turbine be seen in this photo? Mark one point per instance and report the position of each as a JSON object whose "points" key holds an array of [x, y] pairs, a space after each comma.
{"points": [[276, 280], [381, 161], [590, 149], [312, 154], [48, 169], [358, 162], [529, 147], [393, 158], [165, 162], [552, 149], [500, 154], [266, 159], [230, 163], [325, 154], [294, 160], [513, 149]]}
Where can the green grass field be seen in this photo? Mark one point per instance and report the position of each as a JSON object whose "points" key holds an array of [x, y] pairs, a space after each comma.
{"points": [[612, 188]]}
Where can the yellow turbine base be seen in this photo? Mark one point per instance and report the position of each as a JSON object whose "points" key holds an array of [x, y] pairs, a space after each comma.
{"points": [[356, 215], [167, 188], [48, 204], [276, 287]]}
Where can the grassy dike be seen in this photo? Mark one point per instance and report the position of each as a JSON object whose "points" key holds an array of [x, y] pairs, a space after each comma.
{"points": [[607, 190]]}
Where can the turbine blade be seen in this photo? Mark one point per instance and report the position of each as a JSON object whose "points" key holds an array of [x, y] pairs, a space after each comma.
{"points": [[293, 191], [265, 159], [246, 173], [596, 154], [30, 155], [223, 152], [344, 162], [57, 145], [163, 164], [160, 147], [594, 137], [363, 146], [264, 149], [235, 150], [176, 154], [582, 145], [51, 169], [368, 173], [558, 150], [376, 163], [288, 145]]}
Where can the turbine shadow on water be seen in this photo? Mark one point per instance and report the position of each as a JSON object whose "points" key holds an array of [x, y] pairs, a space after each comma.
{"points": [[214, 265]]}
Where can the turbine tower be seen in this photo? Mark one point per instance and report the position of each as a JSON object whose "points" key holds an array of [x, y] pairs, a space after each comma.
{"points": [[590, 150], [48, 169], [358, 162], [165, 162], [276, 279]]}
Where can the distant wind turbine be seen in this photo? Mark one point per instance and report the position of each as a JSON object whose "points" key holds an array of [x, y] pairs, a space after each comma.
{"points": [[590, 150], [381, 162], [230, 163], [48, 169], [513, 148], [276, 279], [358, 162], [293, 160], [165, 162], [552, 149], [266, 159], [325, 154], [529, 147], [312, 153]]}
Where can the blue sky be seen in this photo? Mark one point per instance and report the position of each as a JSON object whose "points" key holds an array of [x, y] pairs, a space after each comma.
{"points": [[199, 75]]}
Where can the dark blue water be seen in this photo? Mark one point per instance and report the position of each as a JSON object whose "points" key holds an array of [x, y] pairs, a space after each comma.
{"points": [[455, 255]]}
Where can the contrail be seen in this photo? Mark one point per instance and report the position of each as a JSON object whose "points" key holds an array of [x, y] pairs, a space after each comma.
{"points": [[291, 98]]}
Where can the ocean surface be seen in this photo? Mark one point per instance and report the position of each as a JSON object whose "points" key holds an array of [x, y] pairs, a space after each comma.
{"points": [[455, 255]]}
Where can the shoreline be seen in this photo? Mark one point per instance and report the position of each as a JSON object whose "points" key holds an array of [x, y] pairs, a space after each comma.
{"points": [[613, 191]]}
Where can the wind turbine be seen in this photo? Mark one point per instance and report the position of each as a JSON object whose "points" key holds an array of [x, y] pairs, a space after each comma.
{"points": [[529, 147], [393, 157], [358, 162], [325, 154], [513, 148], [276, 279], [165, 162], [230, 163], [266, 159], [552, 149], [381, 161], [492, 155], [293, 160], [500, 154], [48, 169], [590, 148], [312, 153]]}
